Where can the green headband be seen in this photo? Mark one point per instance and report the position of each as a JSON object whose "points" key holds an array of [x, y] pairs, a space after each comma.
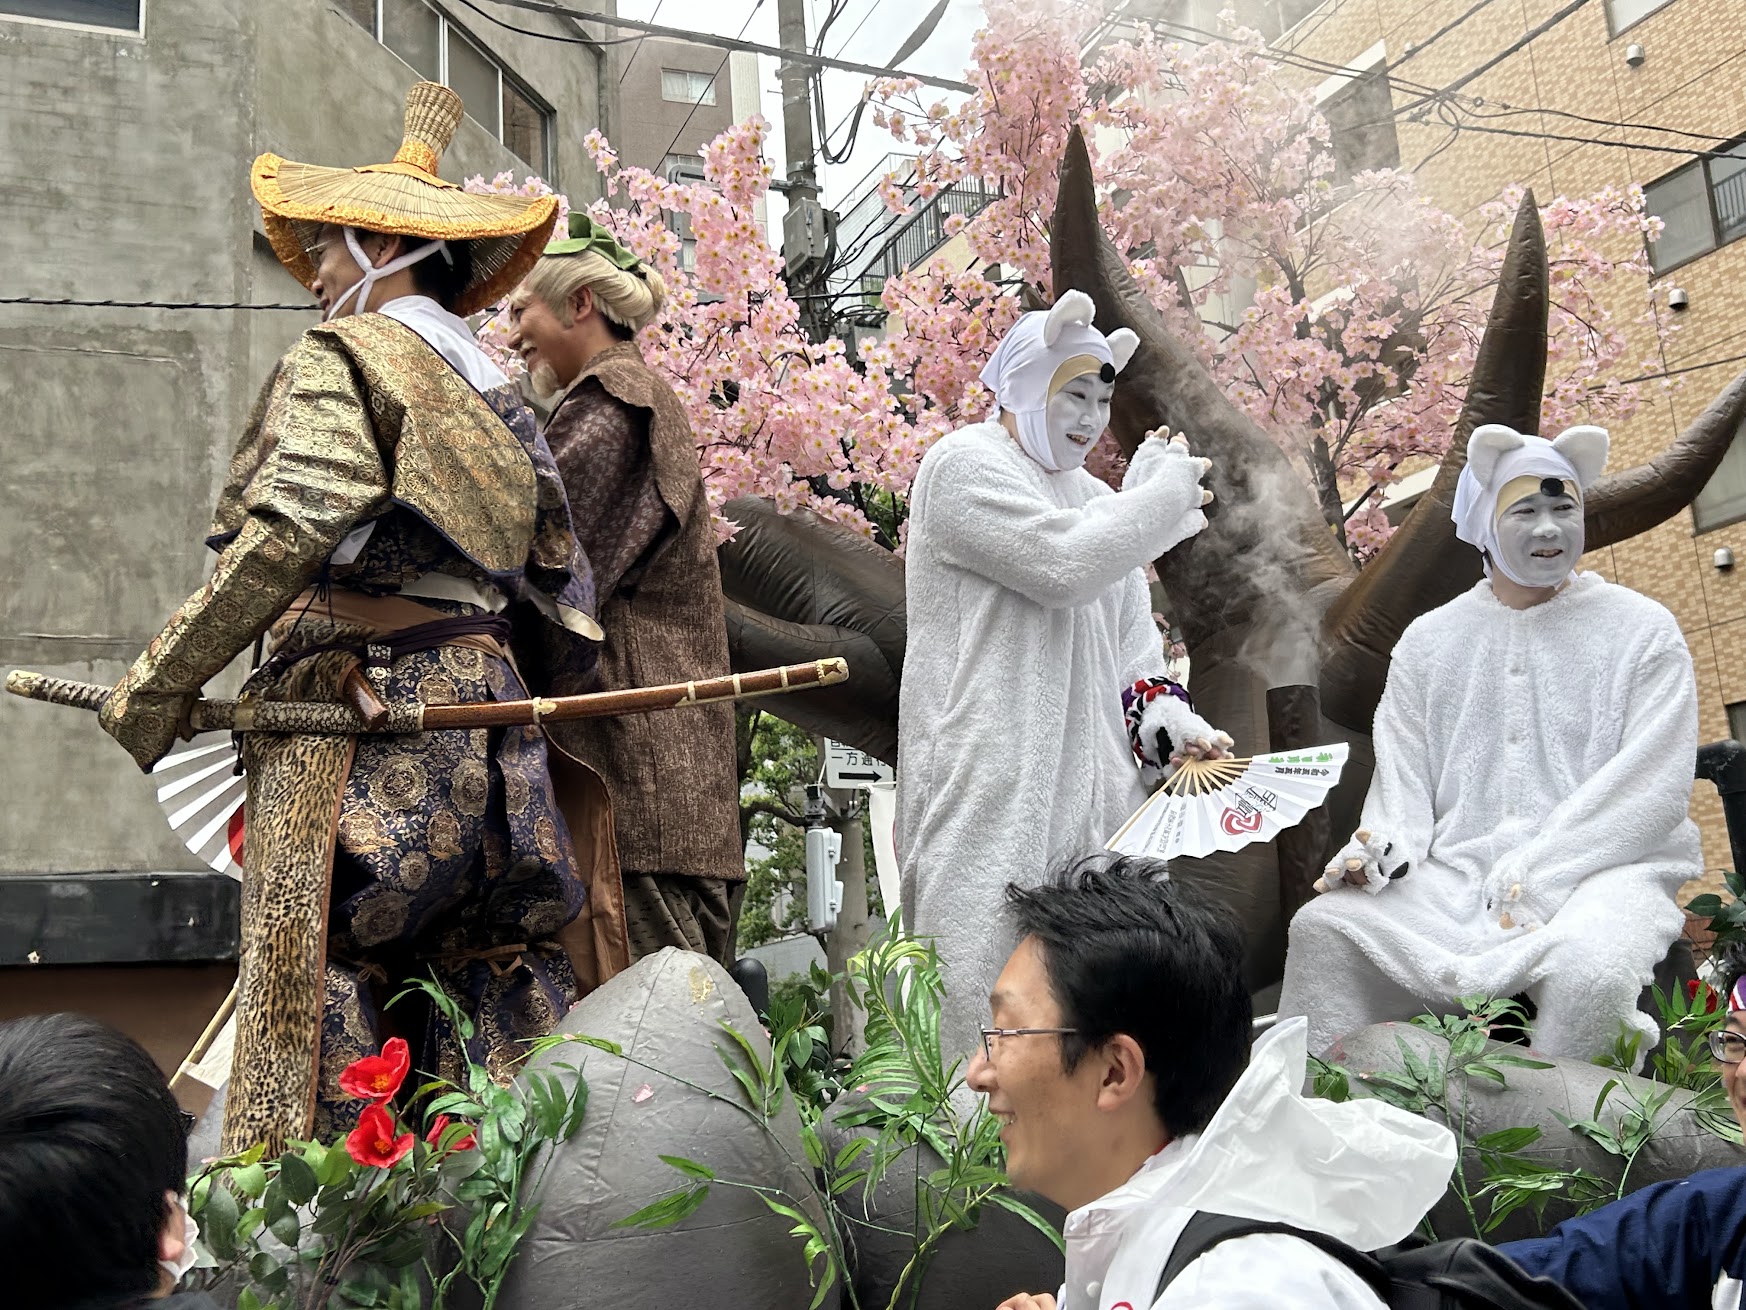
{"points": [[586, 235]]}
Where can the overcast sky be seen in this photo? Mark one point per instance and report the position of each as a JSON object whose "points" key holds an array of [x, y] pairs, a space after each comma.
{"points": [[869, 32]]}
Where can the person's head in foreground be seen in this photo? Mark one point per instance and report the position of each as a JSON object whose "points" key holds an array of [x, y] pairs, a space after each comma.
{"points": [[1519, 502], [1119, 1024], [1728, 1043], [586, 294], [93, 1160]]}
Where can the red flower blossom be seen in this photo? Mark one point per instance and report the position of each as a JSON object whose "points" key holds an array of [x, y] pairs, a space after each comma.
{"points": [[373, 1143], [435, 1135], [1712, 998], [377, 1077]]}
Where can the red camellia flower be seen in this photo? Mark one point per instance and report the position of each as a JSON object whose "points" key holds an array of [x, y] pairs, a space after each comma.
{"points": [[377, 1077], [435, 1135], [373, 1143], [1712, 998]]}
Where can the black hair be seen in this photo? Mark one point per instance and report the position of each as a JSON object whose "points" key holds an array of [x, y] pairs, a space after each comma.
{"points": [[90, 1140], [1127, 950], [436, 277]]}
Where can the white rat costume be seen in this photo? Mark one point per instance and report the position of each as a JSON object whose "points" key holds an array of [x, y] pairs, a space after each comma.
{"points": [[1526, 825], [1029, 618]]}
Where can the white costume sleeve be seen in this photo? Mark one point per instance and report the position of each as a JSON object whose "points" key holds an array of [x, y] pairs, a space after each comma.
{"points": [[1399, 810], [1627, 810], [1000, 528]]}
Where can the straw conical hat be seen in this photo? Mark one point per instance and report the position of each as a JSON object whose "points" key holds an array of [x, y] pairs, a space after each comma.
{"points": [[406, 197]]}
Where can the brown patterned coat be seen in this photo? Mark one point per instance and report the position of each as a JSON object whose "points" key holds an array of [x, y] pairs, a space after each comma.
{"points": [[629, 464]]}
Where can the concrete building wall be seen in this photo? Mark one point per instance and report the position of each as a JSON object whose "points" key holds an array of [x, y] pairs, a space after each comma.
{"points": [[124, 159], [652, 126], [1691, 81]]}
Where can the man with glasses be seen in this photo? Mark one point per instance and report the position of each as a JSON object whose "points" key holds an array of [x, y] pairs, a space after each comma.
{"points": [[1680, 1243], [1115, 1063], [93, 1167]]}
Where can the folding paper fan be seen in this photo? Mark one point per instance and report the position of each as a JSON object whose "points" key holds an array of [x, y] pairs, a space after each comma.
{"points": [[201, 793], [1223, 805]]}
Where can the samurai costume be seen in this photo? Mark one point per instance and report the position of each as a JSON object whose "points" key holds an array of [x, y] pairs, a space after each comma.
{"points": [[1527, 822], [391, 505], [629, 463], [1031, 639]]}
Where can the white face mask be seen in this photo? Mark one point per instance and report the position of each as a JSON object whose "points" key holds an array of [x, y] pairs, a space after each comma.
{"points": [[1077, 416], [178, 1269], [1539, 540]]}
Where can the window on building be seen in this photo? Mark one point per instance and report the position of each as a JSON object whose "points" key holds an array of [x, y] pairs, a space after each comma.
{"points": [[437, 49], [1361, 122], [687, 88], [1723, 499], [1622, 13], [123, 15], [1702, 206], [1737, 720]]}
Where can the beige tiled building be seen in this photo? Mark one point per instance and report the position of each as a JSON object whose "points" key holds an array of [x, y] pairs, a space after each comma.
{"points": [[1657, 81]]}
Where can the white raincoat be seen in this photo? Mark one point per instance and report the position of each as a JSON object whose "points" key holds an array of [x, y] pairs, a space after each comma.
{"points": [[1029, 616], [1534, 764], [1362, 1172]]}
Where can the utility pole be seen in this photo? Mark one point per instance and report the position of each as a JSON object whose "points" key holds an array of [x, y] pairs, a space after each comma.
{"points": [[849, 937], [807, 229]]}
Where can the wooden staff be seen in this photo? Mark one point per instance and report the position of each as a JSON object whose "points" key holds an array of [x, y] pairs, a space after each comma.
{"points": [[251, 715]]}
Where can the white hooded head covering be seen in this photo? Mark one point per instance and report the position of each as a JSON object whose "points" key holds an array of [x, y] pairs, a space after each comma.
{"points": [[1045, 350], [1505, 466]]}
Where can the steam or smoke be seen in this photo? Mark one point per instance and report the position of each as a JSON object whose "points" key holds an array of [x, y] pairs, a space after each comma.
{"points": [[1284, 646]]}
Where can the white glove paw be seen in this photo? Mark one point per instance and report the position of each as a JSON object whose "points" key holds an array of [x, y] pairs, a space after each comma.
{"points": [[1367, 861], [1169, 729]]}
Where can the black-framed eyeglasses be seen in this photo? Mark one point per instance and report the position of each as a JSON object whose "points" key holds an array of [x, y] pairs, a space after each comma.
{"points": [[188, 1122], [1728, 1047], [989, 1034]]}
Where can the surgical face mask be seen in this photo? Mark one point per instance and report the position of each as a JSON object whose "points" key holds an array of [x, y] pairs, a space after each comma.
{"points": [[178, 1269], [1077, 416], [1539, 540]]}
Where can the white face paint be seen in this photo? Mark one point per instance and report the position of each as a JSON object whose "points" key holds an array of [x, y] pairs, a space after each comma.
{"points": [[1077, 416], [1539, 540]]}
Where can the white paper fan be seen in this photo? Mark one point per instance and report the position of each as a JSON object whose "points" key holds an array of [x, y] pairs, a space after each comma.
{"points": [[1223, 805], [201, 793]]}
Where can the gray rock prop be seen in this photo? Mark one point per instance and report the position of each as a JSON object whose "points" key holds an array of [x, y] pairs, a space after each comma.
{"points": [[1680, 1147], [665, 1011], [979, 1268]]}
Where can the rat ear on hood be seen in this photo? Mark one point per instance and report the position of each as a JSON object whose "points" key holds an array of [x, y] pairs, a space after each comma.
{"points": [[1487, 445], [1585, 446], [1074, 307], [1123, 342]]}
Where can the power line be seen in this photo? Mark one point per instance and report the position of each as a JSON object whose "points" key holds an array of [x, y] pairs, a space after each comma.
{"points": [[734, 43], [1414, 51], [589, 41], [71, 302], [625, 71], [1515, 47]]}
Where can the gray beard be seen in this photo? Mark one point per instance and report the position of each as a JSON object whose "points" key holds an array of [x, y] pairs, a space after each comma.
{"points": [[544, 380]]}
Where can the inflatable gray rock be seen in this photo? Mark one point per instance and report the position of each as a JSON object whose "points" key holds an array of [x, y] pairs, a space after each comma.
{"points": [[1534, 1098], [665, 1012], [976, 1268]]}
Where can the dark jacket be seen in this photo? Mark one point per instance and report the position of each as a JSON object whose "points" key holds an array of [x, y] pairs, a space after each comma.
{"points": [[1663, 1247]]}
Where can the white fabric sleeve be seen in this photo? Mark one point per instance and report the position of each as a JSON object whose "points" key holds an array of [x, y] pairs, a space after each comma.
{"points": [[998, 527], [1627, 811], [1400, 808], [1268, 1271]]}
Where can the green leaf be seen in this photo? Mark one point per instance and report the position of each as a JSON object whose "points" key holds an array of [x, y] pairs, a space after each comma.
{"points": [[1516, 1061], [250, 1180], [285, 1227], [690, 1168], [335, 1169], [1010, 1203], [297, 1178], [1509, 1140], [1483, 1069], [667, 1211], [218, 1221], [247, 1300]]}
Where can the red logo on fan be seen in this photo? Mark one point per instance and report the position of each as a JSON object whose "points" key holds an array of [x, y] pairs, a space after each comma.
{"points": [[1237, 822], [234, 835]]}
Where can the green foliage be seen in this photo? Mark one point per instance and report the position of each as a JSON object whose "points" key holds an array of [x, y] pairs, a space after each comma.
{"points": [[1622, 1122], [316, 1230], [901, 1101], [1727, 918]]}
